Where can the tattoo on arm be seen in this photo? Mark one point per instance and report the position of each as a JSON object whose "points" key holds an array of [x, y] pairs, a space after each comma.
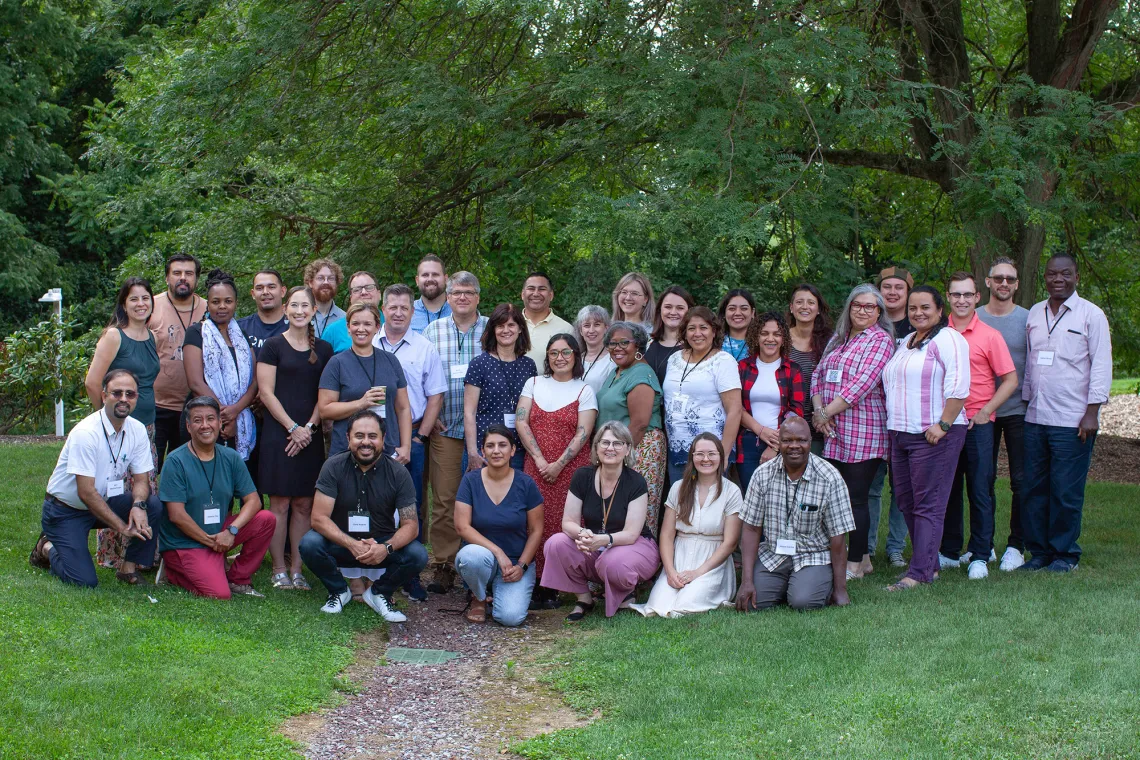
{"points": [[408, 513], [575, 446]]}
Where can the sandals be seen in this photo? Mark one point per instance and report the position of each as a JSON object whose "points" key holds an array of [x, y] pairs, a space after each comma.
{"points": [[627, 603], [900, 586], [300, 583], [131, 579], [281, 581], [38, 558], [581, 609], [476, 611]]}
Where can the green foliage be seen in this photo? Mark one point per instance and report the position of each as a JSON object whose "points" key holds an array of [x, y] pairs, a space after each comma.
{"points": [[35, 364]]}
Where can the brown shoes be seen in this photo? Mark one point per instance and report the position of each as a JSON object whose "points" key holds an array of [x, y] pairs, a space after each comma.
{"points": [[442, 580], [39, 558]]}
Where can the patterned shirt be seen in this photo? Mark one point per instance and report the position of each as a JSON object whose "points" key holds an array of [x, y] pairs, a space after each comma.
{"points": [[789, 380], [919, 380], [456, 350], [853, 371], [421, 317], [810, 512]]}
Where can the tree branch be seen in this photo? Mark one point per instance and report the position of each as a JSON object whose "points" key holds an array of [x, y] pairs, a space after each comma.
{"points": [[1123, 93], [933, 171], [1083, 31]]}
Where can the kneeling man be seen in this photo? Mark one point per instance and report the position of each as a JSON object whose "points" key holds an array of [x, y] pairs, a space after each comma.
{"points": [[88, 489], [801, 504], [359, 493], [200, 480]]}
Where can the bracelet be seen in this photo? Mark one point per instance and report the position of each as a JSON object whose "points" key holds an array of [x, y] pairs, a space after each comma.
{"points": [[610, 536], [295, 426]]}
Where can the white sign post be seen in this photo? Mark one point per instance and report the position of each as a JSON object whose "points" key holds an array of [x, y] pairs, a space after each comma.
{"points": [[55, 298]]}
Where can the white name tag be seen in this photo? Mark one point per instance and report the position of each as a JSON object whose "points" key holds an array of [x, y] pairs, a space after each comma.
{"points": [[1045, 358], [115, 488], [509, 420], [679, 404], [785, 546], [358, 524], [834, 376], [382, 410], [458, 371], [212, 516]]}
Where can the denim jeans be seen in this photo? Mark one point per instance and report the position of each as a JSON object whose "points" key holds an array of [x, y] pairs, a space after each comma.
{"points": [[1013, 428], [415, 468], [677, 461], [479, 569], [976, 467], [896, 525], [1056, 466], [67, 528], [752, 449], [324, 558]]}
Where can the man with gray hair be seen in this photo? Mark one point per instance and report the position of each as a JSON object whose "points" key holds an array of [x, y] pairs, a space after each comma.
{"points": [[456, 339]]}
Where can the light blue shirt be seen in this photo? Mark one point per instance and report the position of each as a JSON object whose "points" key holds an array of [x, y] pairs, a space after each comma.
{"points": [[422, 367], [336, 335], [421, 317]]}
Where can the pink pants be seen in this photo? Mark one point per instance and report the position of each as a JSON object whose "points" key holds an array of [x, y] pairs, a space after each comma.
{"points": [[619, 569], [203, 571]]}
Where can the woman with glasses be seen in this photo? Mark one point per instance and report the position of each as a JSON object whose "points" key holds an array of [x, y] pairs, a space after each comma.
{"points": [[604, 537], [850, 407], [554, 420], [633, 300], [699, 532], [127, 343], [631, 395], [590, 330]]}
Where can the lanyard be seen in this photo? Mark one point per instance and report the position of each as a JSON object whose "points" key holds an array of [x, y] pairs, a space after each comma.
{"points": [[384, 341], [789, 504], [607, 507], [433, 315], [688, 370], [371, 377], [460, 337], [738, 355], [114, 457], [593, 364], [1059, 318], [213, 470], [178, 314], [319, 325]]}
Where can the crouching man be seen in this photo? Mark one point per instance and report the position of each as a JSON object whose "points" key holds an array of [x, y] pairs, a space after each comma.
{"points": [[359, 493], [200, 480]]}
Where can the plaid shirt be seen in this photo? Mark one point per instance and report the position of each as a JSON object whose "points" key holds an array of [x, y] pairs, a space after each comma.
{"points": [[861, 431], [789, 380], [783, 509], [455, 350]]}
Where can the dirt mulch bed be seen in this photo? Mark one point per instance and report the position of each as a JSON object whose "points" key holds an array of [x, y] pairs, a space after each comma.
{"points": [[1115, 460], [18, 439]]}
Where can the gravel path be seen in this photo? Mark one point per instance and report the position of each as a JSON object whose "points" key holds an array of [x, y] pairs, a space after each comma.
{"points": [[471, 707], [1121, 416]]}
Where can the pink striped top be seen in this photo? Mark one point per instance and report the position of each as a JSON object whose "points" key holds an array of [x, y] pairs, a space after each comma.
{"points": [[919, 380]]}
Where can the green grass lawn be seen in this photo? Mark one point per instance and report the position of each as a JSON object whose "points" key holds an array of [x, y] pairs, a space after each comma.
{"points": [[1122, 385], [1017, 666], [107, 673]]}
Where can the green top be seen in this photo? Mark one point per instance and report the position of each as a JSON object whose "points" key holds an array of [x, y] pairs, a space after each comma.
{"points": [[612, 395], [186, 479], [140, 357]]}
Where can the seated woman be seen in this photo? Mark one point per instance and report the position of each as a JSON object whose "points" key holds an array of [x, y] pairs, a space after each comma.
{"points": [[498, 514], [604, 537], [699, 531]]}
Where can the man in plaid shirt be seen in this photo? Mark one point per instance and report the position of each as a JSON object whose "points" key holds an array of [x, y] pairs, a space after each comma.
{"points": [[800, 503], [456, 338]]}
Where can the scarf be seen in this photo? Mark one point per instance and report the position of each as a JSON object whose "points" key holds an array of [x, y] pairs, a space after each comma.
{"points": [[229, 383]]}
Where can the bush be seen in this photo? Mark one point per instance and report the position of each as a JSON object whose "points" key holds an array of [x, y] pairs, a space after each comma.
{"points": [[33, 362]]}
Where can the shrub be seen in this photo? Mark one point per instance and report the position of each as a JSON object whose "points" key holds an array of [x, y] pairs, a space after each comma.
{"points": [[35, 363]]}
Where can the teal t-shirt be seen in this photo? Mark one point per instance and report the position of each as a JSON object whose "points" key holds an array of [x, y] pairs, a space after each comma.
{"points": [[336, 335], [738, 348], [612, 402], [187, 479]]}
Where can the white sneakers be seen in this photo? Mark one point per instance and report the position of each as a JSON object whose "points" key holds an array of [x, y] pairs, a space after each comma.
{"points": [[977, 570], [1011, 560], [382, 607], [945, 563], [968, 556], [336, 602]]}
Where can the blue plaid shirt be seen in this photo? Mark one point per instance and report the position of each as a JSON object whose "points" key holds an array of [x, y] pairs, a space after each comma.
{"points": [[455, 350]]}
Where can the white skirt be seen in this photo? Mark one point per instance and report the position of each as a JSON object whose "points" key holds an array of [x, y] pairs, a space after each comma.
{"points": [[716, 588]]}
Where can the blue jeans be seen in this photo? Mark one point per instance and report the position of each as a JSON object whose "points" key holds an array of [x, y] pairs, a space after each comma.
{"points": [[677, 461], [1056, 466], [752, 449], [479, 569], [67, 528], [1013, 428], [896, 525], [976, 467], [325, 559], [416, 470]]}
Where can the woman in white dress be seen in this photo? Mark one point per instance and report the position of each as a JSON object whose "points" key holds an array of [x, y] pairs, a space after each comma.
{"points": [[699, 531]]}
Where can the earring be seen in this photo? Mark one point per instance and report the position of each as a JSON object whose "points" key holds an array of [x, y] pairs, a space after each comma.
{"points": [[639, 356]]}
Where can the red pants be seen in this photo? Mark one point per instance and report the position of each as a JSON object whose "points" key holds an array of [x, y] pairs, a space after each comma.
{"points": [[203, 571]]}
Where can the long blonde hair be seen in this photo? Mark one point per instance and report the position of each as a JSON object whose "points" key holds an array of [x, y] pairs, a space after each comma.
{"points": [[641, 281]]}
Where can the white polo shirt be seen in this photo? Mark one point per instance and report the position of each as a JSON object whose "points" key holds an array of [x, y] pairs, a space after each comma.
{"points": [[94, 449], [422, 367]]}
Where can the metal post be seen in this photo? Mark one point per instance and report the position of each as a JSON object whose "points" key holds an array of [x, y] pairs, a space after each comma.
{"points": [[55, 298]]}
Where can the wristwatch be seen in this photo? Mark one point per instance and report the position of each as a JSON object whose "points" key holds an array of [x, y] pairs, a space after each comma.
{"points": [[525, 566], [233, 529], [944, 425], [388, 548], [311, 426], [139, 505]]}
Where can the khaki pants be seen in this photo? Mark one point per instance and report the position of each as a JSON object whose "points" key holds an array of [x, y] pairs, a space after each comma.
{"points": [[446, 471], [809, 588]]}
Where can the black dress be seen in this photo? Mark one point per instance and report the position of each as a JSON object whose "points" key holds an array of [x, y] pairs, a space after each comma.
{"points": [[296, 389]]}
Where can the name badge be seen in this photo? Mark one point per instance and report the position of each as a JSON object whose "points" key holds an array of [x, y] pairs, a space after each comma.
{"points": [[358, 524], [458, 371], [834, 376], [679, 404], [115, 488], [509, 420], [212, 516], [1045, 358], [382, 410], [785, 546]]}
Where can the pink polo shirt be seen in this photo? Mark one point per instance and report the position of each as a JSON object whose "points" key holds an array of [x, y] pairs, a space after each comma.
{"points": [[989, 357]]}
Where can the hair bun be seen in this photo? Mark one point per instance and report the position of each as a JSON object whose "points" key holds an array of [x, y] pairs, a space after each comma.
{"points": [[219, 275]]}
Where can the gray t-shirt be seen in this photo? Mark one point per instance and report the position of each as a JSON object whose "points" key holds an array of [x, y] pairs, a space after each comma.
{"points": [[352, 376], [1012, 328]]}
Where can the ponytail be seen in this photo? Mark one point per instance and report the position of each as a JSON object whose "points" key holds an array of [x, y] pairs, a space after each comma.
{"points": [[312, 344]]}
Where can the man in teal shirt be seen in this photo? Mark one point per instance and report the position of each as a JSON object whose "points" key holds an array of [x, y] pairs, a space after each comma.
{"points": [[362, 288], [200, 480]]}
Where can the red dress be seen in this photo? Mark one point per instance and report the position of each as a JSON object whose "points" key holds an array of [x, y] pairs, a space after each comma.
{"points": [[553, 431]]}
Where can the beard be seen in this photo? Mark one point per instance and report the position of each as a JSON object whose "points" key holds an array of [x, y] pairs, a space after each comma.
{"points": [[1002, 297], [121, 410], [366, 459], [182, 290], [431, 291], [324, 293]]}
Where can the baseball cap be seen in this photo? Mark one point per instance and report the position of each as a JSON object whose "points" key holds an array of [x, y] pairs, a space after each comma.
{"points": [[897, 273]]}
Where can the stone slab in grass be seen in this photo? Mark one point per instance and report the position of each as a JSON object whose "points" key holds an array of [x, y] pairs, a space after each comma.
{"points": [[420, 656]]}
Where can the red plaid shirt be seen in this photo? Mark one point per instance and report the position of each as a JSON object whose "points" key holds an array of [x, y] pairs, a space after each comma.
{"points": [[861, 431], [790, 381]]}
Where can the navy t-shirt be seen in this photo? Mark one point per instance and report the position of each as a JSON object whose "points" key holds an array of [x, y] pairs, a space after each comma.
{"points": [[504, 524], [258, 332], [500, 384]]}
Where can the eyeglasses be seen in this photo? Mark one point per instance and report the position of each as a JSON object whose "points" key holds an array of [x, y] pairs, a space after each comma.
{"points": [[703, 455], [362, 289], [463, 293], [631, 294], [1004, 278], [325, 280], [124, 394], [866, 308], [565, 353], [606, 444], [962, 296], [619, 343]]}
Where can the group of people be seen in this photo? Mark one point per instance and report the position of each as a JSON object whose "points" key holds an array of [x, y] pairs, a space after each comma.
{"points": [[655, 438]]}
